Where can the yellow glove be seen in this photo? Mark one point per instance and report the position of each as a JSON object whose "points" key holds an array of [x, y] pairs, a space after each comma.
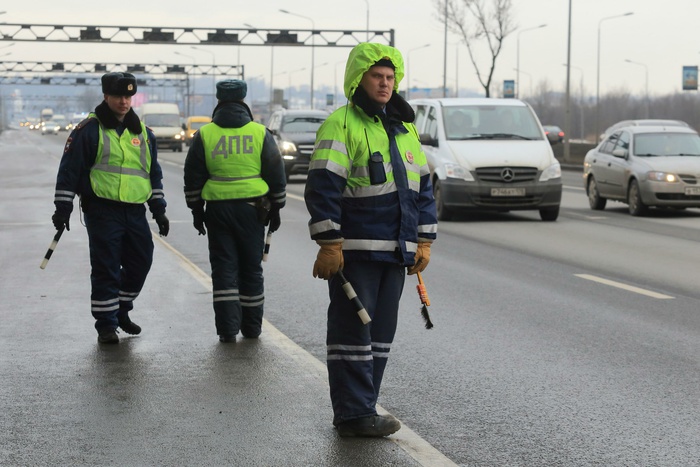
{"points": [[329, 260], [422, 258]]}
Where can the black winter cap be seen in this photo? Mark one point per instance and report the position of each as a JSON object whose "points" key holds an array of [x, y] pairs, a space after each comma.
{"points": [[119, 84], [231, 90]]}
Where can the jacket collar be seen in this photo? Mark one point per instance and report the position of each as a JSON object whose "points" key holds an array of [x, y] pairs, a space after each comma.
{"points": [[109, 120]]}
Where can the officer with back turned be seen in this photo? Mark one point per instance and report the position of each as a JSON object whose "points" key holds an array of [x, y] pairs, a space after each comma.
{"points": [[110, 161], [235, 185]]}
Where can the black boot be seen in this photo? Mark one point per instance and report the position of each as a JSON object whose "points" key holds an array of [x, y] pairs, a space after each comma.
{"points": [[374, 426], [107, 336], [127, 325]]}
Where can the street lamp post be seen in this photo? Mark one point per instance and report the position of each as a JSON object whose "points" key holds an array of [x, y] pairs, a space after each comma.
{"points": [[3, 119], [582, 133], [408, 69], [335, 80], [189, 95], [597, 91], [289, 87], [313, 48], [646, 84], [367, 2], [517, 76], [213, 74], [529, 77]]}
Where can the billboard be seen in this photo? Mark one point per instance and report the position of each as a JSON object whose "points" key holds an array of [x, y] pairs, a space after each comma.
{"points": [[509, 88], [690, 78]]}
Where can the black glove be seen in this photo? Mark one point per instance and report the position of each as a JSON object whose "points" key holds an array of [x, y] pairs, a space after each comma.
{"points": [[163, 224], [274, 219], [198, 216], [61, 220]]}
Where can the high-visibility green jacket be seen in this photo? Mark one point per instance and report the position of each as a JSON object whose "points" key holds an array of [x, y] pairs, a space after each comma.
{"points": [[122, 166], [232, 156], [368, 180]]}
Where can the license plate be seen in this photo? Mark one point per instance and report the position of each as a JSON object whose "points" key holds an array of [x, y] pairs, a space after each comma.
{"points": [[507, 191], [692, 190]]}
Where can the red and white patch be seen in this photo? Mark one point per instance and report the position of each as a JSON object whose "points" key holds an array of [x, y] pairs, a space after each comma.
{"points": [[409, 157], [135, 141]]}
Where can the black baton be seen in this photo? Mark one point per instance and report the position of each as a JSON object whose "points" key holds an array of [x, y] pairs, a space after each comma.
{"points": [[352, 296], [52, 247], [266, 250]]}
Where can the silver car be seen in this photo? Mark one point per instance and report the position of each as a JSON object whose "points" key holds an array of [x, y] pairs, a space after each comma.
{"points": [[645, 166]]}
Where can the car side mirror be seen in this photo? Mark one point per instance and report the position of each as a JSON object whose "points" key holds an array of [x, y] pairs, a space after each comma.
{"points": [[620, 152], [428, 140], [274, 131], [184, 127]]}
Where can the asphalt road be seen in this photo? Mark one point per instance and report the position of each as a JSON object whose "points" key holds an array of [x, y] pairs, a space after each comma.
{"points": [[566, 343]]}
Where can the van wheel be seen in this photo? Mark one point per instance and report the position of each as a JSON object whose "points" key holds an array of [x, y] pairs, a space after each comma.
{"points": [[594, 200], [443, 213], [634, 200], [549, 214]]}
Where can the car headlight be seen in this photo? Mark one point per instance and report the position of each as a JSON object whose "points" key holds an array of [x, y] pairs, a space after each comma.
{"points": [[457, 171], [662, 177], [287, 147], [551, 172]]}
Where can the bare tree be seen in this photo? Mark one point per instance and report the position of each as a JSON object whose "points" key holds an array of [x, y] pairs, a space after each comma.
{"points": [[481, 24]]}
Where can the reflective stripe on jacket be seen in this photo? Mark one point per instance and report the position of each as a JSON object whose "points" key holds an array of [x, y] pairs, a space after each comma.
{"points": [[232, 156], [122, 166]]}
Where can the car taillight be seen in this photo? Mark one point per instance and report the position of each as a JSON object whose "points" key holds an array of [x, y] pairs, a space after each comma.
{"points": [[561, 133]]}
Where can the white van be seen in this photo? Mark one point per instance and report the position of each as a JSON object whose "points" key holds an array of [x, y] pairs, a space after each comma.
{"points": [[488, 155], [165, 122]]}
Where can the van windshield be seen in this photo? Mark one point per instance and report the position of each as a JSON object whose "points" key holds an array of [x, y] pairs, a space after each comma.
{"points": [[490, 122], [161, 120]]}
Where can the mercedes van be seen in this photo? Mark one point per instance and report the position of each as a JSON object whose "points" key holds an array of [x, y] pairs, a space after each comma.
{"points": [[488, 155]]}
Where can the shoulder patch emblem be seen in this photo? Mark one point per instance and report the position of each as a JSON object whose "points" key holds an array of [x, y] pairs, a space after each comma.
{"points": [[67, 146], [135, 142], [82, 123], [409, 157]]}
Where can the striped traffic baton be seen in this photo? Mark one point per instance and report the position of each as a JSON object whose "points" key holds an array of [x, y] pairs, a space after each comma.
{"points": [[52, 247], [352, 296]]}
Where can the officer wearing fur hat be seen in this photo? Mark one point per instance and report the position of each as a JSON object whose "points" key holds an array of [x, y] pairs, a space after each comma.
{"points": [[235, 186], [110, 162], [373, 216]]}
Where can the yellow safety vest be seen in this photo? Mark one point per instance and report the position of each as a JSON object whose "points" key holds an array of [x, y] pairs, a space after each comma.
{"points": [[233, 160], [122, 166]]}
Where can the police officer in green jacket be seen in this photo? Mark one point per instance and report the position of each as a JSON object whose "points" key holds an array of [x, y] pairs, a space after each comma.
{"points": [[373, 216], [110, 162], [235, 186]]}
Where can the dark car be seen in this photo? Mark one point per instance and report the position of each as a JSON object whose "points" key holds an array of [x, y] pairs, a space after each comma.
{"points": [[554, 133], [295, 134]]}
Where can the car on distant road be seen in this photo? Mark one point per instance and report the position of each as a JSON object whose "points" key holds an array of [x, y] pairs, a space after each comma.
{"points": [[192, 124], [295, 134], [554, 133], [50, 128], [645, 166]]}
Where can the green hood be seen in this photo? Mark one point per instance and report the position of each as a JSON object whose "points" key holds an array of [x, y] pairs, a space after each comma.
{"points": [[361, 59]]}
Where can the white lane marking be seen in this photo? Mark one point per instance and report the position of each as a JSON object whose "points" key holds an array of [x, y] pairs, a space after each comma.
{"points": [[620, 285], [293, 196], [419, 449]]}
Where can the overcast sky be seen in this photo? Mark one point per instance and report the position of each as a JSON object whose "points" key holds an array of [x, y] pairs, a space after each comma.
{"points": [[661, 37]]}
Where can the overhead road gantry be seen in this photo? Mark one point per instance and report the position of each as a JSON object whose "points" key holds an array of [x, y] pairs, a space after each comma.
{"points": [[15, 72], [175, 35]]}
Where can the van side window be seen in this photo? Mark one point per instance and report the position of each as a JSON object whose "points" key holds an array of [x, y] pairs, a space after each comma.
{"points": [[420, 117], [432, 124]]}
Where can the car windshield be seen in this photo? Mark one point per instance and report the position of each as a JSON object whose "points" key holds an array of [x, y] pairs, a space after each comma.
{"points": [[197, 125], [490, 122], [156, 120], [301, 124], [666, 144]]}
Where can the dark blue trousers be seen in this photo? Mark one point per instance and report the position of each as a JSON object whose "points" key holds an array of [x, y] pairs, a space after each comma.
{"points": [[236, 241], [357, 353], [121, 254]]}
